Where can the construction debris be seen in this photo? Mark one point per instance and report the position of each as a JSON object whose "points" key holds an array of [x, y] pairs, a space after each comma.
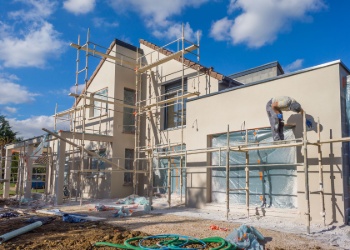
{"points": [[246, 237], [126, 206], [74, 216], [22, 230], [215, 227], [8, 215], [44, 220]]}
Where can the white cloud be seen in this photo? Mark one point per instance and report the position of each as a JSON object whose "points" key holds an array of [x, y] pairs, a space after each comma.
{"points": [[8, 77], [39, 10], [102, 22], [32, 126], [261, 20], [175, 31], [297, 64], [11, 92], [10, 109], [158, 13], [27, 39], [59, 91], [79, 6], [221, 28], [32, 50], [79, 90]]}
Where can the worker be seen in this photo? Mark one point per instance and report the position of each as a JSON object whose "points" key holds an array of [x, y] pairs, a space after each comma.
{"points": [[274, 110]]}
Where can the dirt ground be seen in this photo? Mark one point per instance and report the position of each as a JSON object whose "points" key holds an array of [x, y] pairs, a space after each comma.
{"points": [[63, 235]]}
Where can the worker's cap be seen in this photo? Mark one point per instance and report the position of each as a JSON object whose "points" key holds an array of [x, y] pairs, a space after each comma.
{"points": [[295, 106]]}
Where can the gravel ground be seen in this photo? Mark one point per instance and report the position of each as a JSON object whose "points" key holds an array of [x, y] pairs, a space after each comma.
{"points": [[197, 223]]}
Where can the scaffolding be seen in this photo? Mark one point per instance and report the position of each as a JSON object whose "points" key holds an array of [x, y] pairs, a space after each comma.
{"points": [[151, 106], [247, 147], [84, 104], [150, 150], [18, 166], [153, 150]]}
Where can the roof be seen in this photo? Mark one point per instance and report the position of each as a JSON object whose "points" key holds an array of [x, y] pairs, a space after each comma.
{"points": [[126, 45], [189, 63], [257, 69], [42, 159], [275, 78]]}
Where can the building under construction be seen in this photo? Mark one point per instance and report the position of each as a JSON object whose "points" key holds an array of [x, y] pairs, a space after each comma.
{"points": [[152, 119]]}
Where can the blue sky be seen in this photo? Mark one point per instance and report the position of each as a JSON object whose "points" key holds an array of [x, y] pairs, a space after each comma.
{"points": [[37, 65]]}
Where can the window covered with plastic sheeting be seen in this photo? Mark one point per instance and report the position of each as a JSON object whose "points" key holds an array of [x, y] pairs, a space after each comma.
{"points": [[272, 175], [100, 108], [160, 178], [97, 164], [173, 110]]}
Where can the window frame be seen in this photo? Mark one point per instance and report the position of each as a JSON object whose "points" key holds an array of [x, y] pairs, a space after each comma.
{"points": [[129, 165], [129, 113], [100, 110], [174, 89]]}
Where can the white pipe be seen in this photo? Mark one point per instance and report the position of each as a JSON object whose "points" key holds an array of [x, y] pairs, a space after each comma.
{"points": [[22, 230], [60, 213]]}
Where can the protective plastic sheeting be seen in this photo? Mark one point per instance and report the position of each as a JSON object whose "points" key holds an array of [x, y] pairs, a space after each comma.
{"points": [[160, 178], [269, 186]]}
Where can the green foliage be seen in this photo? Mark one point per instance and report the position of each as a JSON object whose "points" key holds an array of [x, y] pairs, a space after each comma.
{"points": [[6, 133]]}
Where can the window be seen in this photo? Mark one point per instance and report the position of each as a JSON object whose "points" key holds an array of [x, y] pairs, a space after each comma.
{"points": [[173, 108], [100, 108], [128, 116], [97, 163], [129, 161]]}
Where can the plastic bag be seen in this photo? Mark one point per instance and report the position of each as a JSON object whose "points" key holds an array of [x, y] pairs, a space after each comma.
{"points": [[246, 237]]}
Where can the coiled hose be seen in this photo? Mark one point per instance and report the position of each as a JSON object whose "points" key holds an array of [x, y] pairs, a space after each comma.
{"points": [[171, 242]]}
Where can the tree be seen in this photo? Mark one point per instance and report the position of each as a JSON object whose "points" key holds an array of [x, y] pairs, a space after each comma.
{"points": [[7, 135]]}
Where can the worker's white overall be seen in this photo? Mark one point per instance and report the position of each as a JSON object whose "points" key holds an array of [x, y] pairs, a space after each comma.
{"points": [[276, 124]]}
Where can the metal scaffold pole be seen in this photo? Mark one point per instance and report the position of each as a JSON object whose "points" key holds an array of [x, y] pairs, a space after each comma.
{"points": [[306, 173], [137, 122], [320, 172], [82, 163], [150, 177], [247, 174], [227, 172], [74, 122], [182, 105]]}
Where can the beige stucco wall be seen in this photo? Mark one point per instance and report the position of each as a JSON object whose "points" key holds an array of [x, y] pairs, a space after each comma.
{"points": [[317, 90], [124, 78], [154, 86], [115, 78]]}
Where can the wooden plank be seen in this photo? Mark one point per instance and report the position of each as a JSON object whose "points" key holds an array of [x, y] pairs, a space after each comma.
{"points": [[88, 136], [166, 59], [171, 100], [93, 51], [104, 101], [82, 148]]}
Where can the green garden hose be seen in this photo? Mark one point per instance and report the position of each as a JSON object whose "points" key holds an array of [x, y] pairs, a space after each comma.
{"points": [[173, 241]]}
